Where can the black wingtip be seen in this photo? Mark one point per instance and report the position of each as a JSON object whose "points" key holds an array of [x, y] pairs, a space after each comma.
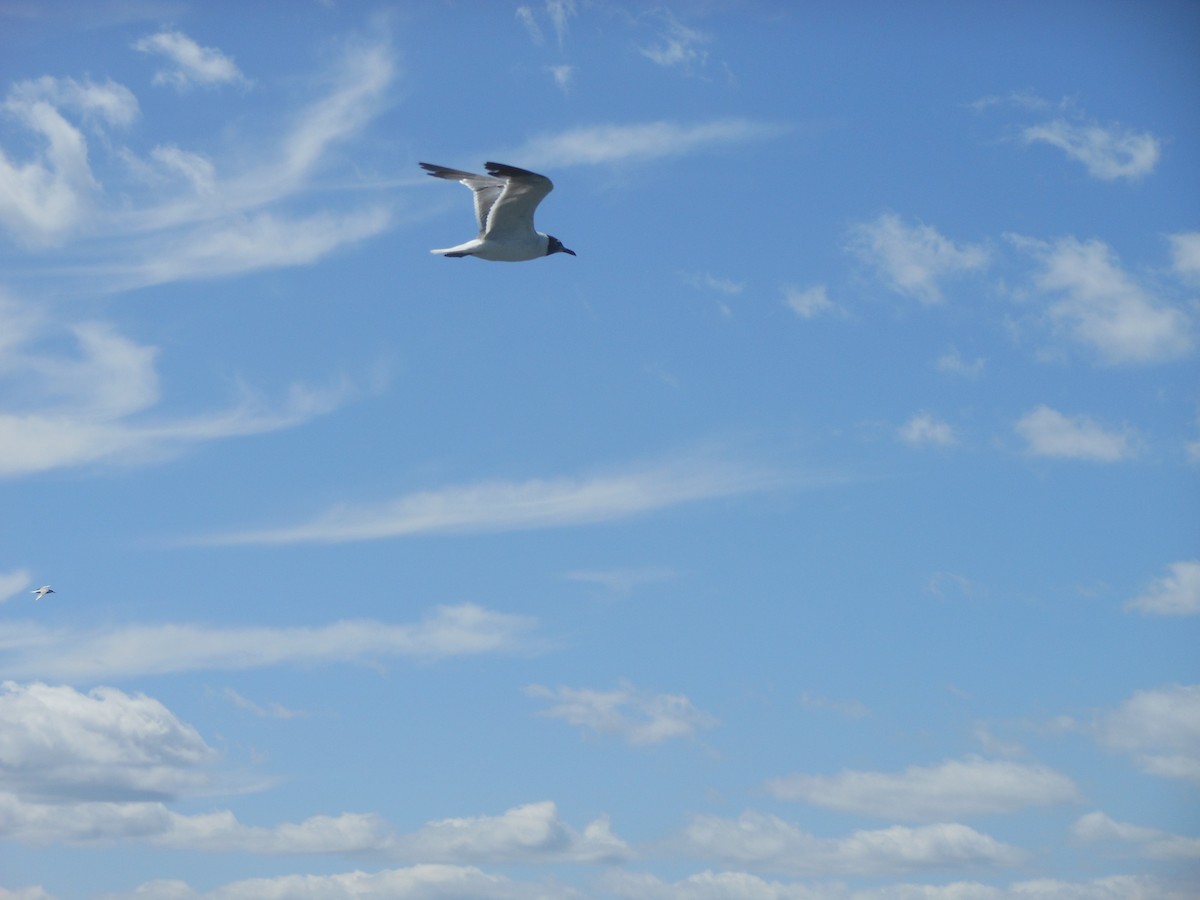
{"points": [[502, 170]]}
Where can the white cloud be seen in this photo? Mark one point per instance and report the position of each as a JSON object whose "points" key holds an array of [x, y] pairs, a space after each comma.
{"points": [[954, 363], [1107, 153], [598, 144], [270, 711], [913, 259], [109, 103], [244, 243], [955, 788], [180, 213], [136, 650], [512, 506], [533, 833], [713, 283], [193, 64], [562, 75], [529, 833], [851, 709], [59, 744], [1159, 728], [622, 581], [1101, 306], [92, 407], [1185, 254], [636, 716], [421, 882], [810, 302], [27, 893], [677, 45], [726, 885], [923, 429], [13, 583], [1050, 433], [560, 12], [1174, 594], [1154, 843], [526, 17], [195, 169], [767, 842], [50, 195]]}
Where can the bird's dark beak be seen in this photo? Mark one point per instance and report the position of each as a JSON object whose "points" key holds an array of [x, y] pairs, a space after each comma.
{"points": [[565, 250]]}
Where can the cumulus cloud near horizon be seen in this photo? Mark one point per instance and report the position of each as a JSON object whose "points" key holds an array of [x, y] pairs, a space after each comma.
{"points": [[943, 792]]}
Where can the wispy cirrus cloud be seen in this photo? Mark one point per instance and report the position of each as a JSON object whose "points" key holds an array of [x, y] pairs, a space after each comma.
{"points": [[1107, 152], [675, 44], [639, 717], [497, 506], [191, 64], [245, 243], [600, 144], [1175, 594], [49, 196], [33, 651], [622, 581], [1047, 432], [12, 583], [913, 259], [943, 792], [175, 212], [95, 405]]}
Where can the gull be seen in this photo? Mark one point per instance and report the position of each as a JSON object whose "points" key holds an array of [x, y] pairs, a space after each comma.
{"points": [[42, 591], [505, 199]]}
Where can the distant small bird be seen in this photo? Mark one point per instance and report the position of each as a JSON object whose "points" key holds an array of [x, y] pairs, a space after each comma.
{"points": [[42, 592], [505, 199]]}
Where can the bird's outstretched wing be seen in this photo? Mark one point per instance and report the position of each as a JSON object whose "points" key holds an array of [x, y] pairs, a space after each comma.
{"points": [[486, 188], [512, 213]]}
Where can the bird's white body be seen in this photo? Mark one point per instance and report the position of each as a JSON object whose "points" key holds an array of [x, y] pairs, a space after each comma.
{"points": [[505, 199], [42, 592], [515, 249]]}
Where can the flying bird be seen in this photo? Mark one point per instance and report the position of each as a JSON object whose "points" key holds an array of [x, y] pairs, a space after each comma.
{"points": [[505, 199], [42, 592]]}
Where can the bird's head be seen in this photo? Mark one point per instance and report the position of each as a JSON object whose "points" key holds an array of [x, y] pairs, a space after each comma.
{"points": [[556, 246]]}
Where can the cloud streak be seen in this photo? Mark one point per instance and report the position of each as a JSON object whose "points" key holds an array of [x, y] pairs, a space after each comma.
{"points": [[946, 791], [93, 406], [143, 650], [1107, 153], [638, 717], [768, 842], [498, 506], [192, 64], [601, 144]]}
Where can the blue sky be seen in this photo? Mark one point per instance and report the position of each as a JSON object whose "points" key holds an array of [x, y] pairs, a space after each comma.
{"points": [[826, 528]]}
